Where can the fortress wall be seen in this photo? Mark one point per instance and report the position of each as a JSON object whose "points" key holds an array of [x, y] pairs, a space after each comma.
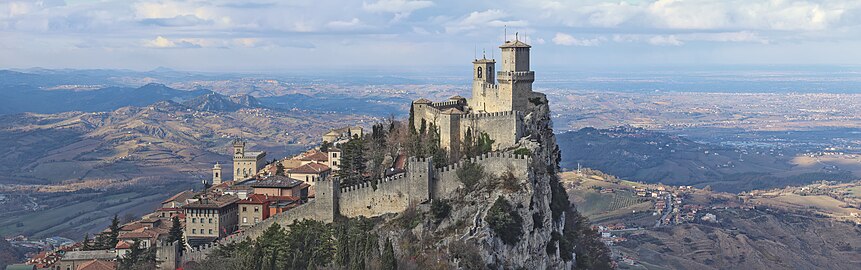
{"points": [[166, 255], [393, 194], [446, 182], [499, 125]]}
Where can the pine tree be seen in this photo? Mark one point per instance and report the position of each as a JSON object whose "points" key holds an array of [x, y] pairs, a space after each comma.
{"points": [[412, 126], [279, 169], [175, 234], [85, 245], [388, 258], [114, 233]]}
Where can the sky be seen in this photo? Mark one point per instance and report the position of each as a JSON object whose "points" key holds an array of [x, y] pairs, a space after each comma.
{"points": [[272, 36]]}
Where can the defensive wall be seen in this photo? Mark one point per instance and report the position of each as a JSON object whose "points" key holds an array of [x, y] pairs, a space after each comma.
{"points": [[446, 181], [419, 184]]}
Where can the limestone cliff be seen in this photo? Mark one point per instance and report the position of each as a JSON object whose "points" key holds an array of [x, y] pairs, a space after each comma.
{"points": [[463, 237]]}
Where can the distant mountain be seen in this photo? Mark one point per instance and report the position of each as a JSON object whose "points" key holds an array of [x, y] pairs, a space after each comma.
{"points": [[24, 98], [246, 101], [651, 156]]}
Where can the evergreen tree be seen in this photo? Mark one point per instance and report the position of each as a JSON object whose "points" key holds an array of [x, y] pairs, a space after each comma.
{"points": [[353, 162], [412, 123], [389, 262], [138, 258], [85, 245], [175, 234], [114, 233], [279, 169]]}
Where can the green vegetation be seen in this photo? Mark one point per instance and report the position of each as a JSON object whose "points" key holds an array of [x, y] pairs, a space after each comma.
{"points": [[353, 162], [440, 210], [476, 144], [389, 262], [522, 152], [536, 101], [470, 174], [505, 222], [138, 258], [175, 234], [468, 255], [356, 244]]}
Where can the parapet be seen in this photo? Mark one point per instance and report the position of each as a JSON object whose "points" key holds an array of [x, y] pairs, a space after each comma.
{"points": [[491, 115], [481, 158]]}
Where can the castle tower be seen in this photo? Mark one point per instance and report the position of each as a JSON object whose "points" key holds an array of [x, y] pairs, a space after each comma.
{"points": [[515, 79], [216, 174], [483, 80]]}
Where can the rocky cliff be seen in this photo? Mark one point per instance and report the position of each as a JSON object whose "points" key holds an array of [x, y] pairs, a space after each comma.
{"points": [[500, 222]]}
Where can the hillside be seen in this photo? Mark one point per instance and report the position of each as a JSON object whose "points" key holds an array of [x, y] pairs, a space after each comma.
{"points": [[26, 98], [755, 230], [650, 156], [131, 157]]}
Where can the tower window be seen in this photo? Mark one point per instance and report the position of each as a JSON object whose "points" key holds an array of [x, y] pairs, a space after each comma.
{"points": [[479, 72]]}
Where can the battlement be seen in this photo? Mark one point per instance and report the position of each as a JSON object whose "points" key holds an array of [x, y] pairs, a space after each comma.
{"points": [[492, 115], [515, 76], [450, 103], [368, 183], [490, 86], [479, 159]]}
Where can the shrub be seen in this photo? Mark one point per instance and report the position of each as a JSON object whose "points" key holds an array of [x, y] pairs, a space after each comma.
{"points": [[536, 101], [468, 255], [440, 210], [522, 152], [470, 174], [509, 181], [505, 221]]}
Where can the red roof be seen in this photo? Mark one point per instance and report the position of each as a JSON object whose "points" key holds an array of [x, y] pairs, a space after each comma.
{"points": [[263, 198], [123, 245], [182, 196], [315, 156], [97, 265], [310, 168]]}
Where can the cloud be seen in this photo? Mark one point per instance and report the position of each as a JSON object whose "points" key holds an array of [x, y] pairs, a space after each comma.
{"points": [[569, 40], [182, 20], [487, 18], [355, 22], [162, 42], [669, 40], [396, 6]]}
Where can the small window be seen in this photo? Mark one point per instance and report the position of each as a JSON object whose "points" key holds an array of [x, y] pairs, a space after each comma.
{"points": [[193, 231], [243, 209], [256, 209], [210, 231], [245, 220], [216, 174], [256, 220], [193, 220], [479, 72], [210, 220], [334, 155]]}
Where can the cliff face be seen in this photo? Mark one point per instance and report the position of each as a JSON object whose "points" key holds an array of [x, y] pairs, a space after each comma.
{"points": [[465, 237]]}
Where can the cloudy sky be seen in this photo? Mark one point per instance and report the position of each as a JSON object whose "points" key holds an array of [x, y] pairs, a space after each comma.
{"points": [[271, 35]]}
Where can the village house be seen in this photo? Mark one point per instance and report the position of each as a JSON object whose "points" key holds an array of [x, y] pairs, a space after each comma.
{"points": [[72, 260], [281, 186], [311, 173], [210, 218]]}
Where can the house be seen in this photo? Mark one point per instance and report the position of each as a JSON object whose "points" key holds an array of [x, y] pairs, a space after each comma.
{"points": [[98, 265], [253, 210], [72, 260], [311, 173], [146, 236], [313, 156], [178, 200], [210, 218], [281, 186]]}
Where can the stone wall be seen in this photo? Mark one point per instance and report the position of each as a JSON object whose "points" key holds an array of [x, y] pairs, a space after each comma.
{"points": [[166, 255], [392, 195], [446, 182], [505, 128]]}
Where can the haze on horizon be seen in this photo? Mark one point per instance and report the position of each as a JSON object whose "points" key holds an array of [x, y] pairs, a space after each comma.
{"points": [[265, 35]]}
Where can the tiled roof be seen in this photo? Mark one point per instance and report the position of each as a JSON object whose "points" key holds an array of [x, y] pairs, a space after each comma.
{"points": [[89, 255], [123, 245], [422, 101], [310, 168], [316, 156], [97, 265], [181, 197], [277, 181], [210, 203]]}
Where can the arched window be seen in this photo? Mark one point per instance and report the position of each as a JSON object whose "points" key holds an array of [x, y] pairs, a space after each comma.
{"points": [[479, 72]]}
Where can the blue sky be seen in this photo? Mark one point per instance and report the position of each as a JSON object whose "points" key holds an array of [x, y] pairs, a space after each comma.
{"points": [[289, 35]]}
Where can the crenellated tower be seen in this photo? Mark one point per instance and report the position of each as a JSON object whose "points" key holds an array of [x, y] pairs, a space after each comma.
{"points": [[515, 79]]}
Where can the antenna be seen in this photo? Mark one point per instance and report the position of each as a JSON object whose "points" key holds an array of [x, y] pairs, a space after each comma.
{"points": [[515, 36], [483, 54], [474, 51], [506, 33]]}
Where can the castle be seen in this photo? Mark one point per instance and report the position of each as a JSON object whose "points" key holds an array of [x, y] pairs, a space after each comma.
{"points": [[496, 108]]}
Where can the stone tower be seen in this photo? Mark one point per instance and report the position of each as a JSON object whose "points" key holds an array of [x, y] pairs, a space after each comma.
{"points": [[483, 82], [515, 79], [238, 148], [216, 174]]}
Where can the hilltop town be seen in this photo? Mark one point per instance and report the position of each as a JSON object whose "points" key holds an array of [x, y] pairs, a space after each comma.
{"points": [[496, 147]]}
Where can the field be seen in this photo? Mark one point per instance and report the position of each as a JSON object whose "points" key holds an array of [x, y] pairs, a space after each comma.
{"points": [[584, 192]]}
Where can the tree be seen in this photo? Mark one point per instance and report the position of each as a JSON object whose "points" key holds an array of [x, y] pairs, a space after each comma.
{"points": [[85, 245], [114, 233], [279, 169], [505, 222], [353, 162], [355, 245], [175, 234], [388, 258], [138, 258], [325, 146]]}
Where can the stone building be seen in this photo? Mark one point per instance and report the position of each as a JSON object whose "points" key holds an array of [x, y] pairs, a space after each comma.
{"points": [[72, 260], [499, 100], [216, 174], [210, 218], [281, 186], [246, 163]]}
